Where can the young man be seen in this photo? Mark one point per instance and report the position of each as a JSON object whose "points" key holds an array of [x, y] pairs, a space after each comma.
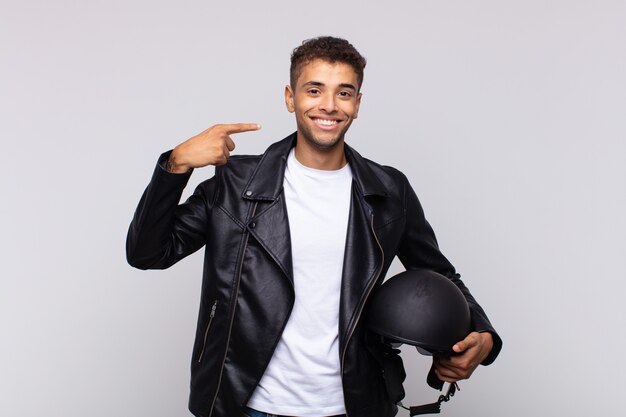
{"points": [[296, 240]]}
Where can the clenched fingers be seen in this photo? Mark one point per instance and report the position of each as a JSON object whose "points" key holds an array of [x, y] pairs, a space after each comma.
{"points": [[454, 368], [470, 352]]}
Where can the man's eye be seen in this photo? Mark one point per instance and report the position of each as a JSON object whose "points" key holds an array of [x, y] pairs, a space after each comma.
{"points": [[313, 91], [345, 94]]}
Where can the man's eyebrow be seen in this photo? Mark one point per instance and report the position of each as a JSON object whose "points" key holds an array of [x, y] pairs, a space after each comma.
{"points": [[321, 84]]}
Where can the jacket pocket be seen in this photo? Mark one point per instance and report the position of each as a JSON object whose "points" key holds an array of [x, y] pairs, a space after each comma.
{"points": [[206, 331]]}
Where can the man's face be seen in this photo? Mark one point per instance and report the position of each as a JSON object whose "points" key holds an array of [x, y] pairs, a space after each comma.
{"points": [[325, 99]]}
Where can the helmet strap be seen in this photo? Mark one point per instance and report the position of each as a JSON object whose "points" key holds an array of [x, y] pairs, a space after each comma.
{"points": [[433, 408]]}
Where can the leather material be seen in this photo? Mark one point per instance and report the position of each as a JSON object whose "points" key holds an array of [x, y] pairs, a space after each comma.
{"points": [[240, 217]]}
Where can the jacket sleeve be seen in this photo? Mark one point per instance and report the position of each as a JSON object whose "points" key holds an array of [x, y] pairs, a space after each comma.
{"points": [[419, 249], [163, 232]]}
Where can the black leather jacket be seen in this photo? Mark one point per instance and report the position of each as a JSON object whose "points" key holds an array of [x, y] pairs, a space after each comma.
{"points": [[247, 288]]}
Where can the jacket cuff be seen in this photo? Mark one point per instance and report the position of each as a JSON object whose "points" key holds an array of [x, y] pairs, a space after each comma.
{"points": [[162, 172], [495, 350]]}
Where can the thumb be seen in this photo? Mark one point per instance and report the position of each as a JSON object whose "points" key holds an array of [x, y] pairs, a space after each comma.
{"points": [[459, 347], [464, 344]]}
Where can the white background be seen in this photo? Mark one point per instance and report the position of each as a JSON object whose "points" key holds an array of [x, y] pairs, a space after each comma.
{"points": [[509, 117]]}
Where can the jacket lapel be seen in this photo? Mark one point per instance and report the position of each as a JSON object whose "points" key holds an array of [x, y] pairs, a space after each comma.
{"points": [[272, 231], [363, 257], [269, 225], [363, 260]]}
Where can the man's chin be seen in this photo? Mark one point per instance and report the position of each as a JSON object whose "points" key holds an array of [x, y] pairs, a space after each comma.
{"points": [[324, 144]]}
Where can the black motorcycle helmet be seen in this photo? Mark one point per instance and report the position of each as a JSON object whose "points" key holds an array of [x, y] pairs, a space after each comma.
{"points": [[421, 308], [424, 309]]}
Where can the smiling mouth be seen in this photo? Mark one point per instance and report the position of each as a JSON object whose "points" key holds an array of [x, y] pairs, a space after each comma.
{"points": [[325, 122]]}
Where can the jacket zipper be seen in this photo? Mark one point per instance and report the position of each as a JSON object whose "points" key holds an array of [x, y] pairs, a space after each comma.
{"points": [[206, 332], [232, 315], [369, 290]]}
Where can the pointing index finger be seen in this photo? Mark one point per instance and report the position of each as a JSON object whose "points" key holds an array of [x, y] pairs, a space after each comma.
{"points": [[241, 127]]}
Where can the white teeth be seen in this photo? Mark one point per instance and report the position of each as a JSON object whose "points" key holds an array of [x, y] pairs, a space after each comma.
{"points": [[326, 122]]}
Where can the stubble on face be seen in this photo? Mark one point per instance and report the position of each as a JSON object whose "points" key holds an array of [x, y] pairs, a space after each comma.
{"points": [[325, 100], [322, 144]]}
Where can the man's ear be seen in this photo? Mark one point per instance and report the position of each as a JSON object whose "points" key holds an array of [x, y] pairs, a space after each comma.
{"points": [[358, 104], [289, 99]]}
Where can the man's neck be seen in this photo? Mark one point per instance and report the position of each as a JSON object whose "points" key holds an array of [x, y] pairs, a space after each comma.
{"points": [[330, 159]]}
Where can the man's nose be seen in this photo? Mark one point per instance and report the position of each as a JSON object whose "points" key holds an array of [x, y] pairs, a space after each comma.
{"points": [[328, 103]]}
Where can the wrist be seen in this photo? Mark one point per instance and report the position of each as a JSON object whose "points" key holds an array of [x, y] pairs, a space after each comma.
{"points": [[174, 166], [487, 339]]}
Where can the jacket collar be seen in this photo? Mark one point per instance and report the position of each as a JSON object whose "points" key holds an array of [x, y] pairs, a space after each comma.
{"points": [[266, 182]]}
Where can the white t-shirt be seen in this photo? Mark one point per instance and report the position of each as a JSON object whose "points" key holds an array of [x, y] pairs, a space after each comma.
{"points": [[303, 377]]}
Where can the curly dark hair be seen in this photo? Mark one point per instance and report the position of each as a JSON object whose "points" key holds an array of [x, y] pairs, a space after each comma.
{"points": [[329, 49]]}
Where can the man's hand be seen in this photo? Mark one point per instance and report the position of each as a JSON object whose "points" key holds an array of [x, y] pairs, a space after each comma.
{"points": [[471, 351], [211, 147]]}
